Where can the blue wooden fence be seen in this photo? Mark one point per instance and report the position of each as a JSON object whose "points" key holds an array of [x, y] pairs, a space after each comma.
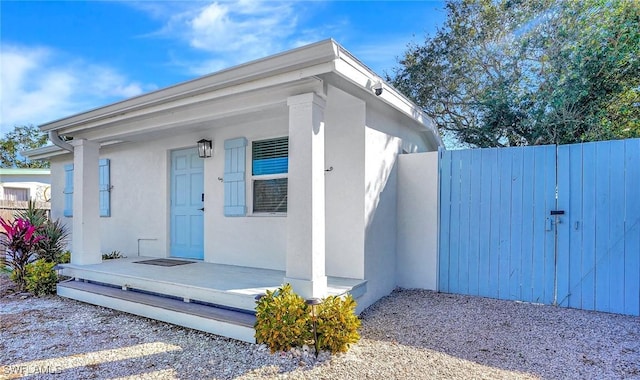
{"points": [[498, 238]]}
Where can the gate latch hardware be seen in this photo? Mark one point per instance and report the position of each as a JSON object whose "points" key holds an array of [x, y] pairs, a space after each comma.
{"points": [[557, 212]]}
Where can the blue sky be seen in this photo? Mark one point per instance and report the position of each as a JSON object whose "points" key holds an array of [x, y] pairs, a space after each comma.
{"points": [[59, 58]]}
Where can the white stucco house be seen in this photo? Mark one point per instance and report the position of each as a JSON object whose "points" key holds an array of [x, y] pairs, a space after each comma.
{"points": [[25, 184], [304, 184]]}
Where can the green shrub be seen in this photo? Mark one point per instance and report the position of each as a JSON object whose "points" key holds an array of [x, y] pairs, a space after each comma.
{"points": [[113, 255], [20, 238], [282, 320], [54, 234], [36, 216], [64, 257], [41, 278], [53, 245], [337, 323]]}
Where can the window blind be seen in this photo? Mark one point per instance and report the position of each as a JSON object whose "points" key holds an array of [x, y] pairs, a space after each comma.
{"points": [[270, 156], [270, 195]]}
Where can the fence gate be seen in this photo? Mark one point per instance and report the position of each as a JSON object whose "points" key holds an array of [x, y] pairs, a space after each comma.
{"points": [[554, 225]]}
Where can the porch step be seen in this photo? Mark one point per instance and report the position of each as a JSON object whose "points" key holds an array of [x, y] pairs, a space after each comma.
{"points": [[228, 323]]}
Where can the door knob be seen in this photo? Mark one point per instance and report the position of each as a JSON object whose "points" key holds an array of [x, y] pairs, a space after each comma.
{"points": [[201, 209]]}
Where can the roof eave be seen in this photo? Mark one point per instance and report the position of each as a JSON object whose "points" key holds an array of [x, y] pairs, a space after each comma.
{"points": [[352, 69], [305, 56], [43, 153]]}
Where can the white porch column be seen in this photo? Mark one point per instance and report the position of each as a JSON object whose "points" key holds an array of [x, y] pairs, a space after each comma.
{"points": [[86, 199], [305, 211]]}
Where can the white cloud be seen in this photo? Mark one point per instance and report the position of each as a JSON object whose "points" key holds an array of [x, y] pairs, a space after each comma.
{"points": [[248, 27], [224, 33], [39, 84], [227, 33]]}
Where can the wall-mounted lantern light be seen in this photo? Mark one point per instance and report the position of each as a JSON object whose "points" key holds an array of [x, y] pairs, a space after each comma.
{"points": [[204, 148]]}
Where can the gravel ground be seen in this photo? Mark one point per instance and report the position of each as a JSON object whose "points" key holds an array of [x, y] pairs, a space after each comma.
{"points": [[409, 334]]}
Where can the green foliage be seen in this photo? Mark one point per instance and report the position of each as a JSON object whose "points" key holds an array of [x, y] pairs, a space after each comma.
{"points": [[53, 232], [505, 72], [36, 216], [20, 240], [113, 255], [23, 137], [53, 246], [282, 320], [41, 278], [64, 258], [337, 324]]}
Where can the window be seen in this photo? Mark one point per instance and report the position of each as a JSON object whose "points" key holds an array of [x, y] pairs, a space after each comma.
{"points": [[16, 194], [269, 167]]}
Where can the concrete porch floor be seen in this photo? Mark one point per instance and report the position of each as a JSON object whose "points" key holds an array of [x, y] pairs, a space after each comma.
{"points": [[225, 285], [215, 298]]}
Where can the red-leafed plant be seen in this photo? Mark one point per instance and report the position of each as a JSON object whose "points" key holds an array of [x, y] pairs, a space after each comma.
{"points": [[20, 240]]}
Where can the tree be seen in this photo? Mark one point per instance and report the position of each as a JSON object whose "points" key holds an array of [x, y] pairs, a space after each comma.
{"points": [[519, 72], [23, 137]]}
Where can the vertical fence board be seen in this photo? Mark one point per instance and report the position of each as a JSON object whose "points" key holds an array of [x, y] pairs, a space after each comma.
{"points": [[575, 226], [484, 233], [515, 221], [616, 227], [602, 227], [445, 221], [632, 228], [495, 223], [463, 221], [504, 163], [454, 241], [564, 175], [588, 227], [475, 223], [527, 253], [549, 237], [540, 225]]}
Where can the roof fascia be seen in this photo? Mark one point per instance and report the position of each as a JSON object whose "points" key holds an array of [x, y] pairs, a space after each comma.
{"points": [[44, 152]]}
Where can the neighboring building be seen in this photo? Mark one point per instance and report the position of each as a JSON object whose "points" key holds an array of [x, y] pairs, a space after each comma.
{"points": [[302, 186], [25, 184]]}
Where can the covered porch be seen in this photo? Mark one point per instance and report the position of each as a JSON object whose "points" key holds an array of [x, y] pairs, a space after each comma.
{"points": [[216, 298]]}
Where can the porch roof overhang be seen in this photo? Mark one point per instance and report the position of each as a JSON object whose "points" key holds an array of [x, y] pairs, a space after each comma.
{"points": [[256, 89]]}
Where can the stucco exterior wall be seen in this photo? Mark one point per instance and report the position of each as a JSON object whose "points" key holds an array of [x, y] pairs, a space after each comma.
{"points": [[344, 184], [385, 139], [140, 200], [253, 240], [417, 246]]}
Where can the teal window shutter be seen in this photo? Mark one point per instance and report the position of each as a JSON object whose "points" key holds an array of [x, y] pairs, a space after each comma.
{"points": [[105, 187], [68, 190], [234, 177]]}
